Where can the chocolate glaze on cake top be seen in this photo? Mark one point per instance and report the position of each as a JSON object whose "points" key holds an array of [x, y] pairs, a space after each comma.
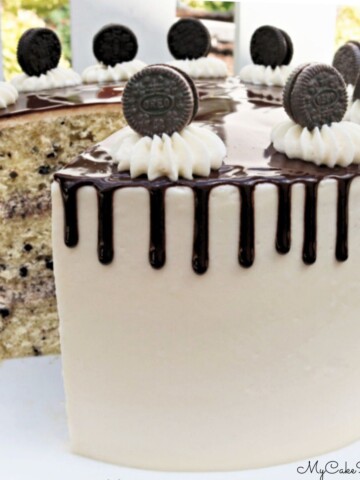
{"points": [[244, 125], [91, 94]]}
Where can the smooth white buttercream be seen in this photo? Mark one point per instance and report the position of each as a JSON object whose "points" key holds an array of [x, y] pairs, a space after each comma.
{"points": [[261, 75], [101, 73], [204, 67], [196, 150], [56, 78], [337, 144], [354, 114], [8, 94]]}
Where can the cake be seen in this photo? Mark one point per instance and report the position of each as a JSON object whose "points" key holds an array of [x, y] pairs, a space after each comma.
{"points": [[271, 51], [220, 297]]}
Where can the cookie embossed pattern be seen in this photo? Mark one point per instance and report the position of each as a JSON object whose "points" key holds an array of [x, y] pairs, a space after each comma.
{"points": [[200, 250]]}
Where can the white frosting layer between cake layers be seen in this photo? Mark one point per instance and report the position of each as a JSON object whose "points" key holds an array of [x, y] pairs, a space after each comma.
{"points": [[355, 112], [337, 144], [56, 78], [121, 71], [261, 75], [8, 94], [194, 151], [204, 67]]}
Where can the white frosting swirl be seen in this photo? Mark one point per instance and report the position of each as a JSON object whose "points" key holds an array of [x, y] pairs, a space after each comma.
{"points": [[203, 67], [56, 78], [121, 71], [337, 144], [261, 75], [196, 150], [354, 114], [8, 94]]}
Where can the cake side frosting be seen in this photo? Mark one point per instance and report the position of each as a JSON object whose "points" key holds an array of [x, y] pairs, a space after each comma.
{"points": [[204, 67], [56, 78], [8, 94], [265, 75], [100, 73]]}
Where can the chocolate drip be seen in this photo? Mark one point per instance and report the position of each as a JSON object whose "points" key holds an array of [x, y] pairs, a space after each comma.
{"points": [[69, 194], [342, 219], [310, 226], [247, 226], [200, 259], [105, 226], [157, 253], [245, 127], [283, 232]]}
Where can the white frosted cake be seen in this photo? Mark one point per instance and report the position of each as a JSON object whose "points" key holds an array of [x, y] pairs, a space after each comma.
{"points": [[219, 294]]}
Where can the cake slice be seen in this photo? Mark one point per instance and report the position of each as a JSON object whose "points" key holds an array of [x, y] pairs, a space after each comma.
{"points": [[38, 134]]}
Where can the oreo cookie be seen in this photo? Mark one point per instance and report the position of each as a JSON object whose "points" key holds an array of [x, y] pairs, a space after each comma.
{"points": [[270, 46], [315, 95], [115, 44], [38, 51], [159, 99], [347, 61], [189, 39], [290, 48]]}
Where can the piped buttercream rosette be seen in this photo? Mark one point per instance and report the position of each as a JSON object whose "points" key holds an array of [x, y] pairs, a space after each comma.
{"points": [[315, 98], [159, 104]]}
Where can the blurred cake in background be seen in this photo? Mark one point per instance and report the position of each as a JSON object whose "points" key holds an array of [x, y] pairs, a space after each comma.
{"points": [[189, 42], [271, 50], [38, 54], [115, 47]]}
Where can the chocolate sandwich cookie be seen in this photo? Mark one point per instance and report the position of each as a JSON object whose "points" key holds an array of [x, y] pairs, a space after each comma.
{"points": [[38, 51], [347, 61], [189, 39], [315, 95], [270, 46], [159, 99], [115, 44], [290, 48]]}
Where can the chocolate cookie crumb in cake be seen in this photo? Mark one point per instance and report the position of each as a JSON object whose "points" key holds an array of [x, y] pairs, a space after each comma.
{"points": [[115, 47], [211, 275]]}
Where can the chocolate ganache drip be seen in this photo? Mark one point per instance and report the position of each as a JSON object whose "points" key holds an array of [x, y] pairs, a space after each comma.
{"points": [[246, 169]]}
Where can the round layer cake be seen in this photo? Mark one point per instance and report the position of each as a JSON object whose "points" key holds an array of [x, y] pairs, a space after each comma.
{"points": [[221, 299]]}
